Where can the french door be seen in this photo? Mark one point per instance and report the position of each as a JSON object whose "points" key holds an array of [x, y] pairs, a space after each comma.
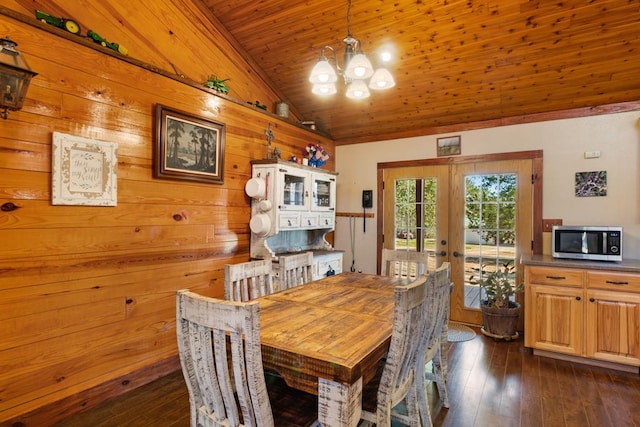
{"points": [[476, 215]]}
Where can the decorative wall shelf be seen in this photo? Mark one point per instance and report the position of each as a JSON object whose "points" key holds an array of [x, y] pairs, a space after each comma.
{"points": [[356, 214], [29, 20]]}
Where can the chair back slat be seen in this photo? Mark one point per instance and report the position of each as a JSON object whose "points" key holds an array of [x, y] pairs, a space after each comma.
{"points": [[406, 263], [248, 280], [295, 270]]}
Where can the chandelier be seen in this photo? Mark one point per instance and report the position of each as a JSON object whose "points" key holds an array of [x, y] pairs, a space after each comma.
{"points": [[357, 70]]}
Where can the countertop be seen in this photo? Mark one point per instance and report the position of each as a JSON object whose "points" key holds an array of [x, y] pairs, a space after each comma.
{"points": [[626, 265]]}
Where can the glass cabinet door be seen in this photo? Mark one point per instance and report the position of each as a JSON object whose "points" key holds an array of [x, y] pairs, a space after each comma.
{"points": [[323, 192], [293, 192]]}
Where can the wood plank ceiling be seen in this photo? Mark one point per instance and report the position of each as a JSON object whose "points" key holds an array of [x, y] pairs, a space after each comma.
{"points": [[457, 63]]}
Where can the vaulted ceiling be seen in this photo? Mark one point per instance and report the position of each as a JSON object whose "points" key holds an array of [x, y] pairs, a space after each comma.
{"points": [[458, 63]]}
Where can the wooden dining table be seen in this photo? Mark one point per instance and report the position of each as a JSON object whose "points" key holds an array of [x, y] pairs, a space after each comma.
{"points": [[327, 337]]}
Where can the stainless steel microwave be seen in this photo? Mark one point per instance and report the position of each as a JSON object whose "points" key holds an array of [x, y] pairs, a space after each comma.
{"points": [[590, 243]]}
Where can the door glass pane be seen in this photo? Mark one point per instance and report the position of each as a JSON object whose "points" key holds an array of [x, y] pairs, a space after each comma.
{"points": [[489, 228], [405, 217], [415, 215]]}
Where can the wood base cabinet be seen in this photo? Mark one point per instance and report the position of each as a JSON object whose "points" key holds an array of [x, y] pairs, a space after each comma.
{"points": [[556, 319], [613, 317], [585, 313]]}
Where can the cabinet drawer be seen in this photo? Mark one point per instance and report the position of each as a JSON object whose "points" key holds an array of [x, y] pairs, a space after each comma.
{"points": [[309, 220], [327, 220], [553, 276], [335, 264], [289, 220], [613, 281], [323, 262]]}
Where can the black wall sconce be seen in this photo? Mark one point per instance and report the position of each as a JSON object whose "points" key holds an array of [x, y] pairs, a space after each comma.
{"points": [[15, 76]]}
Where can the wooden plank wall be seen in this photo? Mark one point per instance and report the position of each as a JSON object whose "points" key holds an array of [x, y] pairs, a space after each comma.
{"points": [[87, 293]]}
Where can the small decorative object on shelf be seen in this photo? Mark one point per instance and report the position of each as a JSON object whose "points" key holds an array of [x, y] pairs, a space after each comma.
{"points": [[113, 46], [282, 109], [259, 105], [216, 84], [64, 23], [316, 154], [309, 123]]}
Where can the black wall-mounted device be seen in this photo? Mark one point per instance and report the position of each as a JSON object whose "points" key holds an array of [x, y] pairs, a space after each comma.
{"points": [[367, 199]]}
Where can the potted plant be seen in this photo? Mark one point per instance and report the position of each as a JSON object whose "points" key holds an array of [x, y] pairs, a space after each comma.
{"points": [[500, 313]]}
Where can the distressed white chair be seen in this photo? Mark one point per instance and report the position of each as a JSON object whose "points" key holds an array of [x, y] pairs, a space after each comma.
{"points": [[403, 263], [248, 280], [295, 270], [438, 298], [397, 382], [416, 335], [219, 347]]}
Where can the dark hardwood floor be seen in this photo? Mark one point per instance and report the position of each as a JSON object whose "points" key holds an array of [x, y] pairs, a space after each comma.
{"points": [[491, 383]]}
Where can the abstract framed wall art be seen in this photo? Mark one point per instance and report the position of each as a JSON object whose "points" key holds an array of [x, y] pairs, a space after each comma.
{"points": [[591, 184]]}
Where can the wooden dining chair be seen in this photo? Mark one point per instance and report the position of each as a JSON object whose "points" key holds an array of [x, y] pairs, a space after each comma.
{"points": [[248, 280], [404, 263], [438, 299], [219, 347], [295, 270], [417, 328], [396, 380]]}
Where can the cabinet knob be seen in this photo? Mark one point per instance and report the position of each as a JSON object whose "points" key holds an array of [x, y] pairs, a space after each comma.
{"points": [[578, 298], [592, 299]]}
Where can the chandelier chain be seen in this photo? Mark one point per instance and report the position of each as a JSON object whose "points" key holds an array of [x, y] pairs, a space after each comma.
{"points": [[349, 18]]}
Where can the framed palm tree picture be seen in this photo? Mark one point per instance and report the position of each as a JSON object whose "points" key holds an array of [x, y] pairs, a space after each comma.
{"points": [[188, 147]]}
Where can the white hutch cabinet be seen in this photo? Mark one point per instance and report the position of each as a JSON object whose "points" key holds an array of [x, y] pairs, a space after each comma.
{"points": [[292, 210]]}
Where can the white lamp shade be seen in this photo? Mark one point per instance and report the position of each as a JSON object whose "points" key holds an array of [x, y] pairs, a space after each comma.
{"points": [[359, 67], [381, 79], [324, 89], [357, 89], [323, 73]]}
